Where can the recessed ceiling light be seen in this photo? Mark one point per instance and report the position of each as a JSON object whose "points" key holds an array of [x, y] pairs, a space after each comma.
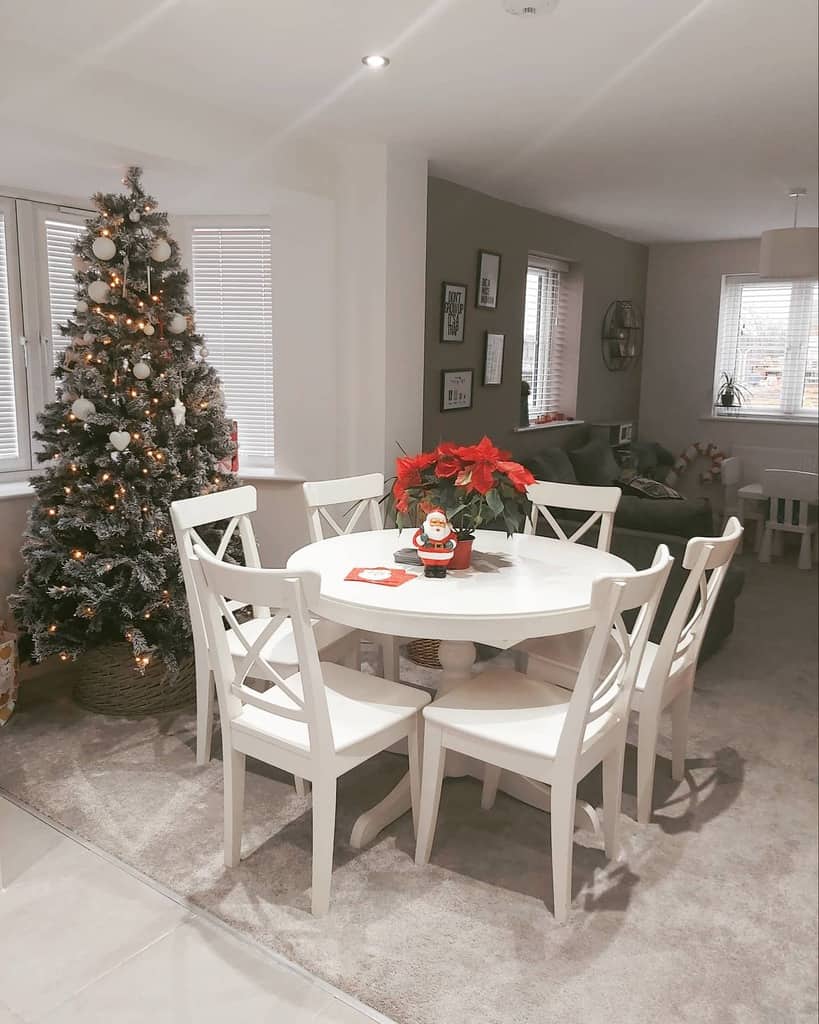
{"points": [[375, 61], [529, 8]]}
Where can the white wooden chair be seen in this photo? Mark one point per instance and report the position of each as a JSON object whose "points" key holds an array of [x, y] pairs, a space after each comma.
{"points": [[235, 506], [545, 733], [668, 670], [359, 497], [318, 723], [601, 502], [790, 495]]}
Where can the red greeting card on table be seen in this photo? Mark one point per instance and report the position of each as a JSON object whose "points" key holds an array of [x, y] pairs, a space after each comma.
{"points": [[381, 575]]}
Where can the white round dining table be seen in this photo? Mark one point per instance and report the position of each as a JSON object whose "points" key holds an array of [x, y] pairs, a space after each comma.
{"points": [[517, 588]]}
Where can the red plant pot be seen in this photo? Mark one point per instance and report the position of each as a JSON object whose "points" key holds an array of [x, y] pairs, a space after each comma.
{"points": [[462, 557]]}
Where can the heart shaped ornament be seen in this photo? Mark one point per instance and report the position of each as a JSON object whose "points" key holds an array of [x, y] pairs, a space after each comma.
{"points": [[120, 439]]}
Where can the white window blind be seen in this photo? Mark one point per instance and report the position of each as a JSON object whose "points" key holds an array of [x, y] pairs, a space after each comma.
{"points": [[544, 334], [234, 311], [767, 341], [60, 239], [9, 441]]}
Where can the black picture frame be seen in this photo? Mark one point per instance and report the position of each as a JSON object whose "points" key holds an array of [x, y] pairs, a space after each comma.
{"points": [[494, 346], [449, 289], [490, 271], [448, 403]]}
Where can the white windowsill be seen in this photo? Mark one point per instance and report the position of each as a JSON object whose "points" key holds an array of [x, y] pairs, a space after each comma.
{"points": [[16, 489], [268, 473], [790, 421], [547, 426]]}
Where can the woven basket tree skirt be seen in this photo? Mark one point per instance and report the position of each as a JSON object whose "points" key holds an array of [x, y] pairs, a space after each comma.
{"points": [[107, 683]]}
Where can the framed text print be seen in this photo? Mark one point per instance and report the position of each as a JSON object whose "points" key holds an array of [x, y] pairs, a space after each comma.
{"points": [[456, 390], [453, 312], [488, 278], [493, 365]]}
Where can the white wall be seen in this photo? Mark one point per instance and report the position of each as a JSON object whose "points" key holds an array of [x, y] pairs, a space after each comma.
{"points": [[381, 253], [682, 313]]}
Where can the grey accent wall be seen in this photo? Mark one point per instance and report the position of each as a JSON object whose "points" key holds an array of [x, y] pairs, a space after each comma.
{"points": [[461, 221], [684, 284]]}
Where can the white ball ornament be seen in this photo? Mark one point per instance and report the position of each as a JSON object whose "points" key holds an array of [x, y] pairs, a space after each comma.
{"points": [[98, 291], [103, 248], [161, 251], [148, 330], [204, 352], [82, 408], [177, 324], [141, 370], [134, 216], [82, 306]]}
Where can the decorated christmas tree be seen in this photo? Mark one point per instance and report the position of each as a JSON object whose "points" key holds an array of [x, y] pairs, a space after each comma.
{"points": [[138, 423]]}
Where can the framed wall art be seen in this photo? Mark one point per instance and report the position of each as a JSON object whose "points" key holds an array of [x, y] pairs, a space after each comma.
{"points": [[456, 390], [453, 311], [493, 362], [488, 278]]}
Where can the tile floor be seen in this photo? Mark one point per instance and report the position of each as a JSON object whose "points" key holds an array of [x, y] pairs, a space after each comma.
{"points": [[82, 939]]}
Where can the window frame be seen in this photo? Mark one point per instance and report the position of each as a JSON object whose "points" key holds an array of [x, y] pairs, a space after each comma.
{"points": [[796, 352], [30, 303], [19, 467], [556, 341]]}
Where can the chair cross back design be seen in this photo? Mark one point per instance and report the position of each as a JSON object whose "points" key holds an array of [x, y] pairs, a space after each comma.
{"points": [[188, 516], [667, 679], [548, 734], [318, 723], [233, 507], [286, 592], [601, 502], [363, 493]]}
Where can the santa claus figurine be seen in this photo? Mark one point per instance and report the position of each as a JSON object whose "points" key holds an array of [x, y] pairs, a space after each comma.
{"points": [[436, 543]]}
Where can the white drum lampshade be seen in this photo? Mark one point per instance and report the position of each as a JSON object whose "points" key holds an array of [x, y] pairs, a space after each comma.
{"points": [[789, 253]]}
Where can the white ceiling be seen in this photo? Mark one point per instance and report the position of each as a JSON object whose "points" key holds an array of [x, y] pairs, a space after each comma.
{"points": [[655, 119]]}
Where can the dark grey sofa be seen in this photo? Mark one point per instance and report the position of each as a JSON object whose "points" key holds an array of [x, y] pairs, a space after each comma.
{"points": [[640, 524]]}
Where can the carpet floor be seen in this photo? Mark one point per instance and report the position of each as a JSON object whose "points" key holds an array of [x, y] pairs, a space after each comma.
{"points": [[709, 917]]}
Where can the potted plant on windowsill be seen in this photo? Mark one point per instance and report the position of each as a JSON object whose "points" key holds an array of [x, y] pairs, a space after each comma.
{"points": [[730, 394], [474, 484]]}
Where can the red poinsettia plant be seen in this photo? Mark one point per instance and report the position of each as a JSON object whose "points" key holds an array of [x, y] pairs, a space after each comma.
{"points": [[474, 484]]}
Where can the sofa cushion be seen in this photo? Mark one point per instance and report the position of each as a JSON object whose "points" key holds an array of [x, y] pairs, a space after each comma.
{"points": [[594, 464], [554, 465], [645, 487]]}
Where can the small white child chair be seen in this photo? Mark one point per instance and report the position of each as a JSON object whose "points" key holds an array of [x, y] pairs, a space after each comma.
{"points": [[235, 506], [359, 496], [601, 502], [667, 674], [545, 733], [318, 723], [791, 495], [743, 501]]}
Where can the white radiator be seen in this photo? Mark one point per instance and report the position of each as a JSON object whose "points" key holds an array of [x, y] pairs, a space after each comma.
{"points": [[755, 459]]}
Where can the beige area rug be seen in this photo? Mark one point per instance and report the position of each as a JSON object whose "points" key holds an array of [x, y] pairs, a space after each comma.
{"points": [[710, 918]]}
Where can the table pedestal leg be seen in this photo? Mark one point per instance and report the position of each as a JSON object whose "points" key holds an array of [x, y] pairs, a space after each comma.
{"points": [[457, 660]]}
